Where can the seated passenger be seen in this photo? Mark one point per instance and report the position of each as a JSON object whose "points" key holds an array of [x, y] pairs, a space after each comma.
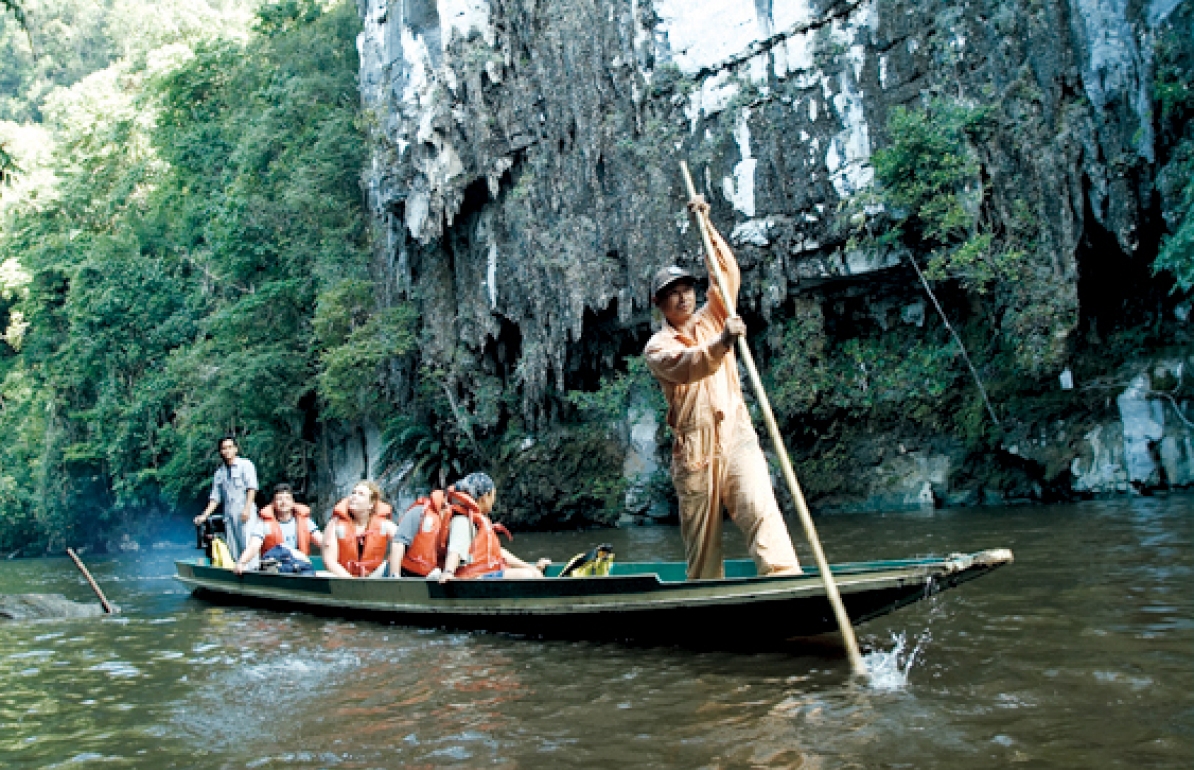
{"points": [[422, 539], [359, 535], [473, 549], [281, 524]]}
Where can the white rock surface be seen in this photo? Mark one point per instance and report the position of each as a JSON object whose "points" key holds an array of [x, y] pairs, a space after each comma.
{"points": [[641, 465], [1106, 469], [1143, 425]]}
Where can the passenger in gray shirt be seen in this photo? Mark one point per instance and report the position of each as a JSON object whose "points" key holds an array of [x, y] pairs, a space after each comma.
{"points": [[234, 486]]}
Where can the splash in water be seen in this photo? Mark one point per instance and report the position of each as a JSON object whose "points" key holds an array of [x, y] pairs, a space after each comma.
{"points": [[888, 670]]}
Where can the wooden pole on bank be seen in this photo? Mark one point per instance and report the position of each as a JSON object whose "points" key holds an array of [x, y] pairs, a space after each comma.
{"points": [[94, 585], [810, 531]]}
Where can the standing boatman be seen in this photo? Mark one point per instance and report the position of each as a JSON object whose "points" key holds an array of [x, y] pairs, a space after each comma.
{"points": [[235, 487], [716, 457]]}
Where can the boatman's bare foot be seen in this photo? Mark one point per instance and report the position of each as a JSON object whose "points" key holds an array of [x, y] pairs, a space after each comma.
{"points": [[786, 572]]}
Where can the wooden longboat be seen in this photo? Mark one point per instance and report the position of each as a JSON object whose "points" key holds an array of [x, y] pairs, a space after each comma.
{"points": [[642, 601]]}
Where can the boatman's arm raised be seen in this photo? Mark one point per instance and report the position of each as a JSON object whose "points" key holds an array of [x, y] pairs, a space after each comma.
{"points": [[725, 259]]}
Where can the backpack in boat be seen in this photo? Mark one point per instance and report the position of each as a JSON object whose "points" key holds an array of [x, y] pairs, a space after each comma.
{"points": [[281, 560], [594, 563]]}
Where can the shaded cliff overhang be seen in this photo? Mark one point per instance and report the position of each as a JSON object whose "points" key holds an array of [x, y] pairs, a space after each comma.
{"points": [[524, 170]]}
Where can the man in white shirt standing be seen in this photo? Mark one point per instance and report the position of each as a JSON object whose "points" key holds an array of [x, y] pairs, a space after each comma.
{"points": [[235, 487]]}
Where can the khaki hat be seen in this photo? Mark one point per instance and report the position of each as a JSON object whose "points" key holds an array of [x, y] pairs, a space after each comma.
{"points": [[666, 276]]}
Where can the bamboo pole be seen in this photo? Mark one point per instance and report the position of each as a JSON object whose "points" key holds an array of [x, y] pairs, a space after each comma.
{"points": [[94, 586], [806, 519]]}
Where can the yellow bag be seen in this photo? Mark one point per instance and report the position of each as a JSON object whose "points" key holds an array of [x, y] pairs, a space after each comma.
{"points": [[595, 563], [221, 557]]}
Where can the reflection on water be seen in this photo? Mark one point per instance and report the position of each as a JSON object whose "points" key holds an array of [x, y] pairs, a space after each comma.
{"points": [[1078, 655]]}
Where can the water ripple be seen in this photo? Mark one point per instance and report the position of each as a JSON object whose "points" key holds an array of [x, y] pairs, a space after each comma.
{"points": [[1049, 662]]}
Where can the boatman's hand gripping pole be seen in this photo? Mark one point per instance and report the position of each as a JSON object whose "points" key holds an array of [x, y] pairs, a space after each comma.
{"points": [[810, 531]]}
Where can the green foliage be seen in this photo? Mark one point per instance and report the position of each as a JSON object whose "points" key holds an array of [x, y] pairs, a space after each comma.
{"points": [[606, 408], [1173, 88], [17, 10], [435, 437], [62, 41], [434, 458], [835, 385], [356, 340], [8, 167], [670, 80], [574, 471], [930, 185], [567, 475], [828, 467], [893, 374], [204, 225], [1177, 249], [931, 203], [1173, 82]]}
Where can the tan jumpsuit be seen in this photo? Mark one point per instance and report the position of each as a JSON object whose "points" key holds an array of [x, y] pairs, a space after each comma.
{"points": [[716, 458]]}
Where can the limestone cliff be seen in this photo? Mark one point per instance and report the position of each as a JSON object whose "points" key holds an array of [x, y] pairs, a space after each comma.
{"points": [[524, 181]]}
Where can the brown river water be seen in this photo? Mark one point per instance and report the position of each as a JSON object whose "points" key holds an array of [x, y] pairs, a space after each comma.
{"points": [[1079, 655]]}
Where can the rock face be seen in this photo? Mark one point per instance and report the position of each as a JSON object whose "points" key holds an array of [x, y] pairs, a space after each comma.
{"points": [[352, 454], [44, 606], [524, 182], [1157, 436]]}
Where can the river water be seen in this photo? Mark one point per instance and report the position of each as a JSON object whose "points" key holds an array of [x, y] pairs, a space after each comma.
{"points": [[1079, 655]]}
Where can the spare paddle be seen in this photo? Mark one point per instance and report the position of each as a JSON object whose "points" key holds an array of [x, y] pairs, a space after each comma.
{"points": [[835, 599]]}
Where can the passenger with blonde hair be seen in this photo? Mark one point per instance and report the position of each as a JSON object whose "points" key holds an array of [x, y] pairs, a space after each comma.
{"points": [[359, 538]]}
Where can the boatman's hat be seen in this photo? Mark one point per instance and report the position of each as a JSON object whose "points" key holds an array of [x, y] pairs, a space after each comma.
{"points": [[665, 277]]}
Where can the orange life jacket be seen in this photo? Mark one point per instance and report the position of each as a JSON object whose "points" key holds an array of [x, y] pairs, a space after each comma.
{"points": [[361, 562], [273, 535], [430, 546], [485, 555]]}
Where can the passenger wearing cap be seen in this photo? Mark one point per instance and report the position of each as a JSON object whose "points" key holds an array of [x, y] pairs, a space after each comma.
{"points": [[716, 457]]}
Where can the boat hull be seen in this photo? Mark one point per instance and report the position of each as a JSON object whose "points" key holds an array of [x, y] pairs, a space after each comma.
{"points": [[633, 605]]}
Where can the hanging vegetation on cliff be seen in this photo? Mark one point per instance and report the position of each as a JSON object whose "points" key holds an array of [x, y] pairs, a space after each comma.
{"points": [[1174, 90]]}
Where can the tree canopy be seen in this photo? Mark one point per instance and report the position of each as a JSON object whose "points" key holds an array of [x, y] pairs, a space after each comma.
{"points": [[165, 286]]}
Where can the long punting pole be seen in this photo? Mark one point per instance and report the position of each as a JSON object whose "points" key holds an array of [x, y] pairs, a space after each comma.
{"points": [[810, 531], [94, 586]]}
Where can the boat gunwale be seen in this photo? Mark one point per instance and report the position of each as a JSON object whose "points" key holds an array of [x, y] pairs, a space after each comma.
{"points": [[854, 578]]}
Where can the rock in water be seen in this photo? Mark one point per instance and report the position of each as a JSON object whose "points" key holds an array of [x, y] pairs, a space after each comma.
{"points": [[43, 606]]}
